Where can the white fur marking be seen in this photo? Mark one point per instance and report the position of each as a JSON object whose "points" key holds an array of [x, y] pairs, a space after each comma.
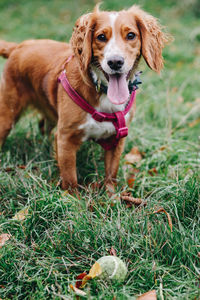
{"points": [[101, 130], [111, 48]]}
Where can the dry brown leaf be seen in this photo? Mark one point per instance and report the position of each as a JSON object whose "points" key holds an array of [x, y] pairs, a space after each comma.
{"points": [[167, 214], [77, 291], [79, 279], [180, 99], [21, 215], [134, 156], [3, 238], [22, 167], [113, 251], [94, 272], [189, 104], [197, 51], [162, 148], [131, 181], [153, 172], [130, 174], [194, 123], [85, 280], [9, 169], [197, 100], [174, 89], [151, 295], [125, 196]]}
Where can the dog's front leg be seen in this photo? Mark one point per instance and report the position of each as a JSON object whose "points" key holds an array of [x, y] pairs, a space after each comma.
{"points": [[66, 156], [112, 158]]}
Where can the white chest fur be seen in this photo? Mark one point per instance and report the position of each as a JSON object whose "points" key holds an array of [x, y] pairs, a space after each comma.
{"points": [[101, 130]]}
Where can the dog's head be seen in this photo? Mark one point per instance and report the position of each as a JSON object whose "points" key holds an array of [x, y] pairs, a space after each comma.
{"points": [[109, 45]]}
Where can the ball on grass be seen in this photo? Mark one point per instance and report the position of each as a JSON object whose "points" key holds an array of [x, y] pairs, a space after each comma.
{"points": [[112, 268]]}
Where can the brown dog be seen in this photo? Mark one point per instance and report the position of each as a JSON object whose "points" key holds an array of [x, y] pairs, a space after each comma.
{"points": [[105, 48]]}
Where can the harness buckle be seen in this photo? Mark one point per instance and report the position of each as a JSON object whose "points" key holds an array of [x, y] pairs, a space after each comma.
{"points": [[122, 132], [100, 117]]}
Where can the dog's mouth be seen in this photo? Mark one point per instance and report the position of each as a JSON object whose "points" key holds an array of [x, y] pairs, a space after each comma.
{"points": [[118, 91]]}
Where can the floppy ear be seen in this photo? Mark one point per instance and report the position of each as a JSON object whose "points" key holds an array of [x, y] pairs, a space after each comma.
{"points": [[152, 36], [81, 41]]}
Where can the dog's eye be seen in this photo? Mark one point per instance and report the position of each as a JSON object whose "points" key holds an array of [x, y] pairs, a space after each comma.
{"points": [[131, 36], [102, 37]]}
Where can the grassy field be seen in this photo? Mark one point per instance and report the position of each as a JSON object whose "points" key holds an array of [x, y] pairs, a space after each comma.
{"points": [[61, 236]]}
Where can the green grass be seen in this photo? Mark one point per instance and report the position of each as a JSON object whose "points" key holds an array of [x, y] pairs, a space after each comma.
{"points": [[63, 236]]}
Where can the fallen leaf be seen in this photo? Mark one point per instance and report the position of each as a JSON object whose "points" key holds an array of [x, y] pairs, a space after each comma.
{"points": [[180, 99], [197, 51], [113, 251], [131, 181], [189, 104], [194, 123], [174, 89], [77, 291], [94, 272], [167, 214], [151, 295], [21, 215], [153, 172], [126, 196], [197, 100], [9, 169], [134, 156], [130, 174], [85, 280], [22, 167], [162, 148], [3, 238], [79, 279]]}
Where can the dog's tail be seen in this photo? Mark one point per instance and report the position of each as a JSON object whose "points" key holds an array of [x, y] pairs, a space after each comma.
{"points": [[6, 48]]}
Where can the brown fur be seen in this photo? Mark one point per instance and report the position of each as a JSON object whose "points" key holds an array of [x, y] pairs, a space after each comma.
{"points": [[32, 69]]}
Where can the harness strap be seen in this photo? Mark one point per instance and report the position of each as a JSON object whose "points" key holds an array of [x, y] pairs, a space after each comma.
{"points": [[117, 118], [74, 95]]}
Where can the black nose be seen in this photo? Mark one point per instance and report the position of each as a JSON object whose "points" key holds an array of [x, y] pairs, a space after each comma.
{"points": [[115, 62]]}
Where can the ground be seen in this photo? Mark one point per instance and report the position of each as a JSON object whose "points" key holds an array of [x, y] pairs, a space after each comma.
{"points": [[60, 236]]}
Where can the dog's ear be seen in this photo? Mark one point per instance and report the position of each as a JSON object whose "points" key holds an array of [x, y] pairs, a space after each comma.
{"points": [[81, 40], [152, 37]]}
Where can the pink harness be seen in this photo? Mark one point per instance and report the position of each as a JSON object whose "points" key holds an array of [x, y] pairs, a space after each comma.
{"points": [[117, 118]]}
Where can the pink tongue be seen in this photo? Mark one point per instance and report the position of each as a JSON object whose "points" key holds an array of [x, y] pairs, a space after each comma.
{"points": [[118, 91]]}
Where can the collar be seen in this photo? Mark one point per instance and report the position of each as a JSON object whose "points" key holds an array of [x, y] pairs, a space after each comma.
{"points": [[117, 118]]}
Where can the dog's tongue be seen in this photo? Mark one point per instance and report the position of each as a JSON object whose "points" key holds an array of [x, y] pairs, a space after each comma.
{"points": [[118, 91]]}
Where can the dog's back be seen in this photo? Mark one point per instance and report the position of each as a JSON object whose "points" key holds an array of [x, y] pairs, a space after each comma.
{"points": [[30, 76], [6, 48]]}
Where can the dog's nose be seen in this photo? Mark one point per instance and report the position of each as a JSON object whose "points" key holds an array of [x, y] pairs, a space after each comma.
{"points": [[115, 62]]}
